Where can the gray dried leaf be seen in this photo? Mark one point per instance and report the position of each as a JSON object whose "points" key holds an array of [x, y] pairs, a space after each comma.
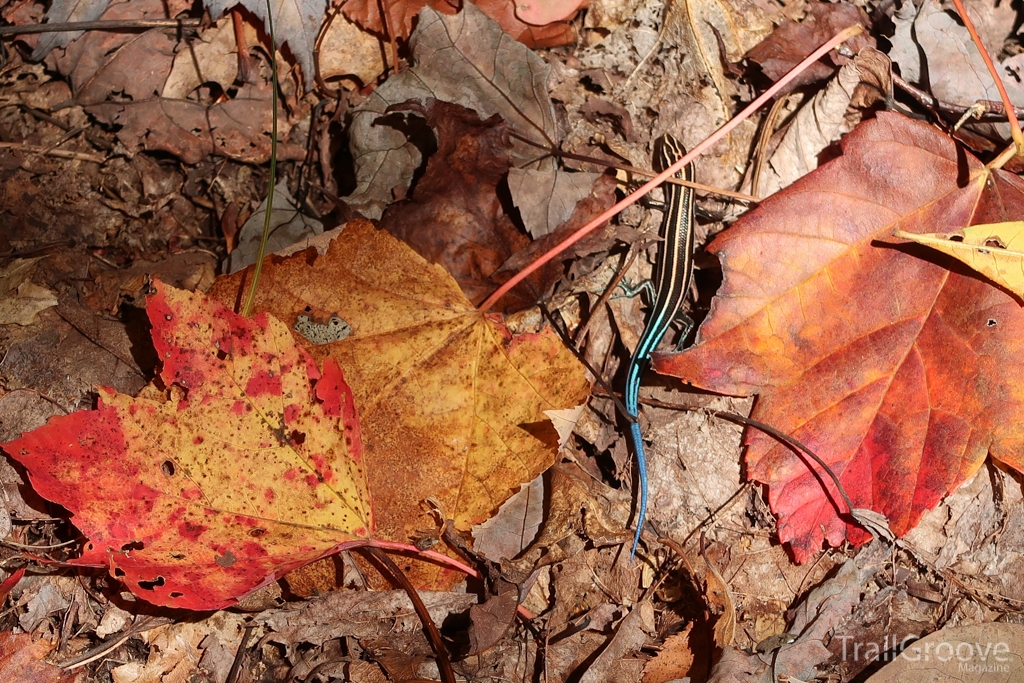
{"points": [[288, 225], [62, 11], [932, 47], [546, 199], [296, 22]]}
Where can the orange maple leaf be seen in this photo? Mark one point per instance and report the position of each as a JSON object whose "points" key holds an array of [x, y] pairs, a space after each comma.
{"points": [[248, 466], [898, 366], [451, 403]]}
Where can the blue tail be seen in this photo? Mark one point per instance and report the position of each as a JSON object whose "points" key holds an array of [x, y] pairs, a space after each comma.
{"points": [[641, 464]]}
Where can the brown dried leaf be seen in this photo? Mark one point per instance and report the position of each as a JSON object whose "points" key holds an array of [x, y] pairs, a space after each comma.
{"points": [[792, 41], [465, 59], [104, 70]]}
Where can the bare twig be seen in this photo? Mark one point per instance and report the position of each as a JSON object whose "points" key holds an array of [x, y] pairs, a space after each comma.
{"points": [[443, 663], [58, 153], [106, 25]]}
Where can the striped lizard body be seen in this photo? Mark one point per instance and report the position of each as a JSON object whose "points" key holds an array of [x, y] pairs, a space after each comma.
{"points": [[672, 271]]}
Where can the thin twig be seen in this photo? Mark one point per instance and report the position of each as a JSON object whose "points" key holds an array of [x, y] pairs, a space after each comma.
{"points": [[1011, 117], [147, 624], [47, 151], [607, 163], [992, 108], [272, 176], [106, 25], [443, 663], [236, 665]]}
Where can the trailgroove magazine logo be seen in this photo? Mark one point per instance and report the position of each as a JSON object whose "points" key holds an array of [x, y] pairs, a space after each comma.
{"points": [[969, 657]]}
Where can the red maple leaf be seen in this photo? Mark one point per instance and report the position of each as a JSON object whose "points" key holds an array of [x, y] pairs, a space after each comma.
{"points": [[246, 466], [898, 366]]}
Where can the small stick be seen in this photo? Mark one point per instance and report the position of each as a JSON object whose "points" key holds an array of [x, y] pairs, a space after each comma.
{"points": [[105, 25], [59, 153]]}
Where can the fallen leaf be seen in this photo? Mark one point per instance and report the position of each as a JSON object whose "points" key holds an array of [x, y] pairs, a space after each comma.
{"points": [[898, 371], [456, 217], [547, 200], [176, 649], [103, 69], [792, 41], [673, 661], [240, 473], [66, 11], [818, 123], [551, 34], [933, 49], [23, 660], [296, 24], [9, 583], [450, 403], [628, 636], [514, 527], [51, 595], [464, 59], [719, 596], [820, 616], [212, 57], [288, 225], [401, 14], [20, 299], [348, 51], [996, 250], [359, 614], [714, 31]]}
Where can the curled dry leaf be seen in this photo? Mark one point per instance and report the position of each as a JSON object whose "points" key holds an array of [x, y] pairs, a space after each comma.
{"points": [[248, 466]]}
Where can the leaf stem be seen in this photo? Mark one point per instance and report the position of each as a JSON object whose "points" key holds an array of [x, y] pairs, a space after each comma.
{"points": [[671, 170], [251, 297]]}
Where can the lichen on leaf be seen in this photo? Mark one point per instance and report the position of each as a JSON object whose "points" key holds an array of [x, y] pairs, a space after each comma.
{"points": [[245, 465]]}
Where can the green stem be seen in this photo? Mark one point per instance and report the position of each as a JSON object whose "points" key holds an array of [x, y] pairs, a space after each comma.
{"points": [[251, 298]]}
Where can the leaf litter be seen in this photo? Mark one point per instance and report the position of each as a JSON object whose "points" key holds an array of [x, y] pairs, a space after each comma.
{"points": [[654, 73]]}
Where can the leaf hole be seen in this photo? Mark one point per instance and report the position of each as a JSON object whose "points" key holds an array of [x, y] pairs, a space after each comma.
{"points": [[150, 585], [298, 438], [178, 556], [134, 545], [221, 355], [167, 468], [956, 238], [994, 242], [257, 532], [176, 594], [991, 322], [118, 572]]}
